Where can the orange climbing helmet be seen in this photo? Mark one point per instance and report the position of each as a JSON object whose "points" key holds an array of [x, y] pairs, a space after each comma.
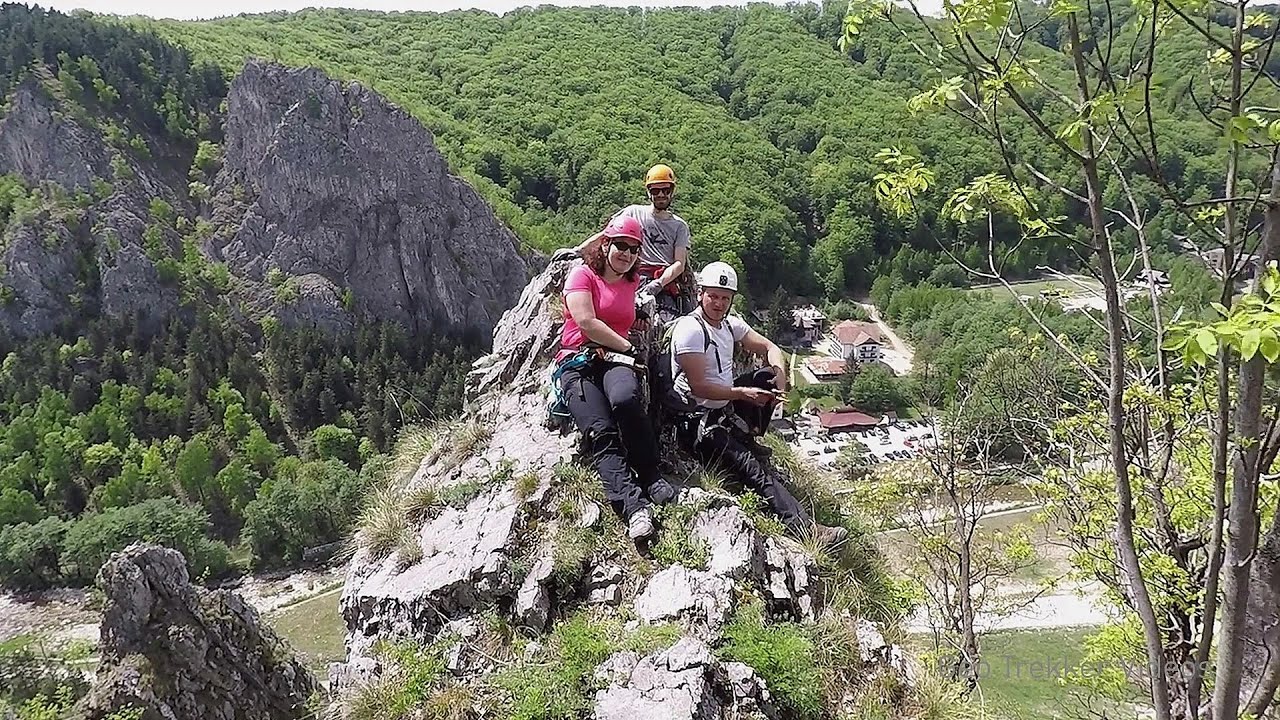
{"points": [[660, 175]]}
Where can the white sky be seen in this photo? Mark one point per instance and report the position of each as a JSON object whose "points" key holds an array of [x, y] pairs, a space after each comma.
{"points": [[195, 9]]}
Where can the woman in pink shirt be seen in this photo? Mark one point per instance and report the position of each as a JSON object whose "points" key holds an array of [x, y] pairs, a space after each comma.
{"points": [[604, 397]]}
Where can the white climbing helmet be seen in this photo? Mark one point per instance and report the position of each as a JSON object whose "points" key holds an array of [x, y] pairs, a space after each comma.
{"points": [[718, 275]]}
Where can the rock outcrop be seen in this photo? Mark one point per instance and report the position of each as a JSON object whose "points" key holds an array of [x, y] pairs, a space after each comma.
{"points": [[178, 651], [40, 143], [330, 183], [331, 205], [683, 682], [514, 548], [70, 257]]}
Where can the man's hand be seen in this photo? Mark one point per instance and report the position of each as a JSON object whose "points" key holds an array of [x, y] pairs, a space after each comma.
{"points": [[780, 379], [755, 396], [641, 325], [564, 254]]}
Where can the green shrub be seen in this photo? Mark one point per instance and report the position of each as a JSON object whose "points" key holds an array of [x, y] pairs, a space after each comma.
{"points": [[29, 554], [783, 655], [18, 506], [164, 521], [330, 442], [304, 505]]}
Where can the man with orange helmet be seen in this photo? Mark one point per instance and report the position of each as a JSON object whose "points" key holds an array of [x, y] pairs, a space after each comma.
{"points": [[664, 253]]}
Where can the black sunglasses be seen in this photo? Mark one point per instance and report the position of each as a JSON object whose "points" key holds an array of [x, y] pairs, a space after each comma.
{"points": [[625, 247], [662, 190]]}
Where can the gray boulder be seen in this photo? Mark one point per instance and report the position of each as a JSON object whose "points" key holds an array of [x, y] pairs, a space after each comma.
{"points": [[683, 682]]}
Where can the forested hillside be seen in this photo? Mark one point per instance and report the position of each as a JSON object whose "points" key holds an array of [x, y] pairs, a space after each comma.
{"points": [[556, 112], [260, 429], [206, 425]]}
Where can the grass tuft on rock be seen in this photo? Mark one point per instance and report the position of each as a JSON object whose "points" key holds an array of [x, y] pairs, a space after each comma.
{"points": [[526, 486], [460, 495], [421, 502], [676, 544], [412, 446], [383, 524], [557, 684], [415, 675]]}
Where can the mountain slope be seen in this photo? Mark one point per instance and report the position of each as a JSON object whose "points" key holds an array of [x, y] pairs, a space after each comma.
{"points": [[556, 112], [204, 342]]}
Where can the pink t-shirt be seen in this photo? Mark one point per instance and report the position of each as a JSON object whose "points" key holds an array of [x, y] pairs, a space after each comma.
{"points": [[615, 304]]}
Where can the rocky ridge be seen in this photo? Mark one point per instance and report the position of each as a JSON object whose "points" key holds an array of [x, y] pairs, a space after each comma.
{"points": [[532, 541]]}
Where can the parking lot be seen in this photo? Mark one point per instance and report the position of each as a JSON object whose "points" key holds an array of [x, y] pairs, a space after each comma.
{"points": [[885, 443]]}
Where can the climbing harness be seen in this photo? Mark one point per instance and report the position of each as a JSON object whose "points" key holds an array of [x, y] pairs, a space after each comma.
{"points": [[590, 353]]}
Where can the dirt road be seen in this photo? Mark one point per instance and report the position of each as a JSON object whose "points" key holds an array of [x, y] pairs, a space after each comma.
{"points": [[900, 356]]}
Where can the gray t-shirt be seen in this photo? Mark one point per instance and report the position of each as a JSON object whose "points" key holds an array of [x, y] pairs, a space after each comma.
{"points": [[687, 337], [662, 235]]}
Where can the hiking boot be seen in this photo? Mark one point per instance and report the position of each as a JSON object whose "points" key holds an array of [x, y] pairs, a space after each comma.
{"points": [[661, 491], [640, 525], [829, 537]]}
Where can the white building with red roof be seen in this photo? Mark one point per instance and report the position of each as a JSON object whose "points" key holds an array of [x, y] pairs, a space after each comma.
{"points": [[858, 341]]}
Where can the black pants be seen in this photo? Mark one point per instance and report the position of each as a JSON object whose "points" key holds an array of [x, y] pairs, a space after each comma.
{"points": [[730, 450], [605, 403]]}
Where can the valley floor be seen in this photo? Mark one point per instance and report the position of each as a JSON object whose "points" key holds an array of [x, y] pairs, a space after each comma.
{"points": [[70, 616]]}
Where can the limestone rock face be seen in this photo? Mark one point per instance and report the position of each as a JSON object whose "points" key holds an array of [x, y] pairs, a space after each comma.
{"points": [[73, 258], [517, 549], [179, 651], [340, 192], [328, 182]]}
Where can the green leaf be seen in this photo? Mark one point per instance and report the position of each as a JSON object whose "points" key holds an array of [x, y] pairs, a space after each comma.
{"points": [[1207, 341], [1239, 127], [1273, 131], [1269, 284], [1192, 354], [1269, 345], [1222, 310], [1249, 343], [1175, 342]]}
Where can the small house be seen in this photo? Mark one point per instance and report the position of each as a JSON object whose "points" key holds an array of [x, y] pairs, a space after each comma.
{"points": [[859, 341]]}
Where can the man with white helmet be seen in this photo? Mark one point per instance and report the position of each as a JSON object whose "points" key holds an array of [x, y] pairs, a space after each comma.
{"points": [[727, 411]]}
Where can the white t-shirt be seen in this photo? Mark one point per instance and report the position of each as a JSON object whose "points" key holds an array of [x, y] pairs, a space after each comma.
{"points": [[687, 337]]}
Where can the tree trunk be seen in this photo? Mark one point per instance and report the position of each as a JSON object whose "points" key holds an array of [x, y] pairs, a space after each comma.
{"points": [[1124, 534], [968, 637], [1255, 638], [1260, 672]]}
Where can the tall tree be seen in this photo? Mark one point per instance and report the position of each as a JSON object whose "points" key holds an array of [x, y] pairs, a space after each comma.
{"points": [[1085, 126]]}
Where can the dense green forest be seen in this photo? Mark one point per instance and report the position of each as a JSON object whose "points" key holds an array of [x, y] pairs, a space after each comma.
{"points": [[238, 444], [555, 113]]}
